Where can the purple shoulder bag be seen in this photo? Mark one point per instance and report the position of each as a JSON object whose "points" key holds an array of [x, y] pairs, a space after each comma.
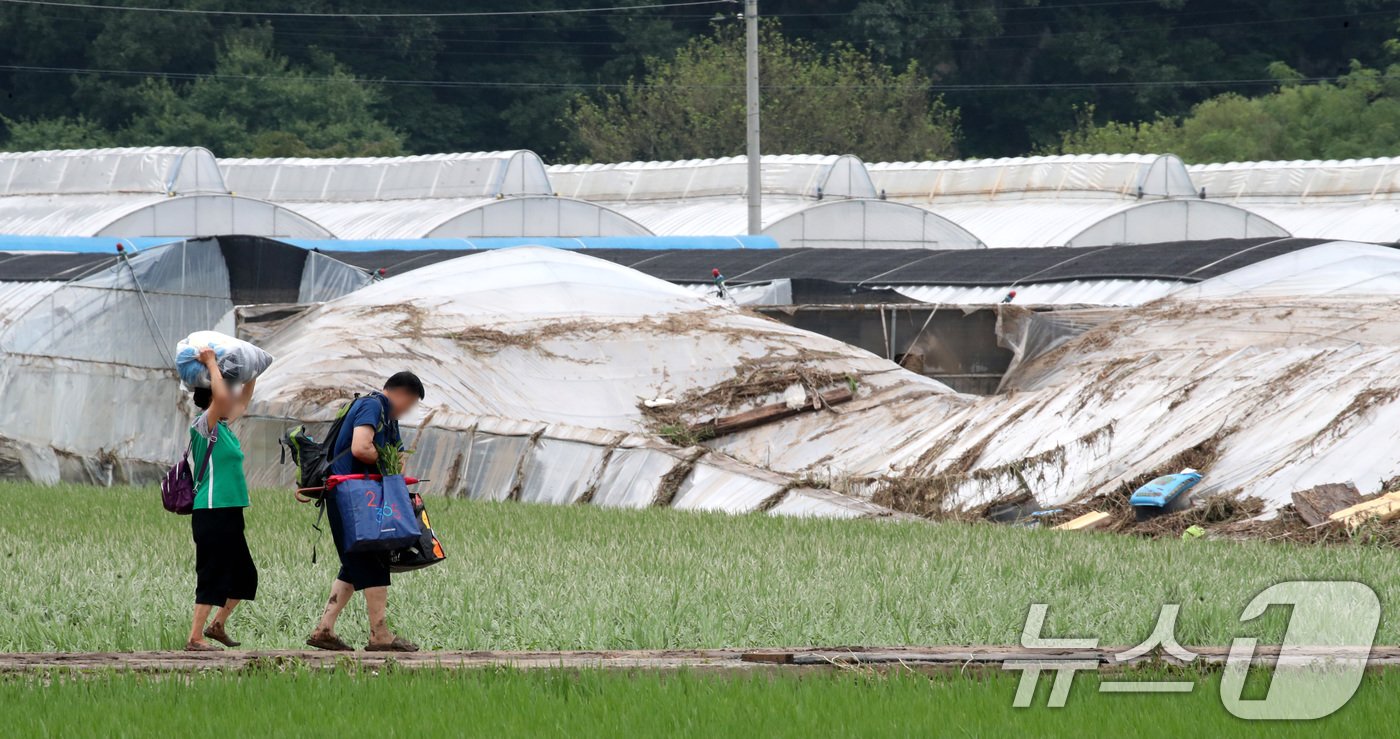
{"points": [[178, 486]]}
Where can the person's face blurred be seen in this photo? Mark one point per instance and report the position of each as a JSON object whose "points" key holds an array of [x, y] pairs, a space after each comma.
{"points": [[401, 401]]}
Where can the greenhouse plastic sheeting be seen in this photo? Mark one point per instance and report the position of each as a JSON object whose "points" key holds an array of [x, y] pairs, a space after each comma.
{"points": [[633, 477], [1111, 175], [361, 179], [100, 343], [1339, 199], [1276, 386], [543, 335], [809, 201], [1102, 222], [801, 175], [522, 349], [1337, 268], [164, 170], [518, 216], [775, 292], [719, 484], [815, 503], [560, 472], [1073, 292], [325, 278], [94, 343], [157, 191], [123, 215]]}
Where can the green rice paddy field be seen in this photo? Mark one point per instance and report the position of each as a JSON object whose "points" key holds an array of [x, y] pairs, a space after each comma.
{"points": [[107, 569], [498, 702], [88, 569]]}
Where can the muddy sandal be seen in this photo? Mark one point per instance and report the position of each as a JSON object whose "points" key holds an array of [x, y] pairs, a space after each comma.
{"points": [[221, 637], [328, 642], [399, 644], [193, 646]]}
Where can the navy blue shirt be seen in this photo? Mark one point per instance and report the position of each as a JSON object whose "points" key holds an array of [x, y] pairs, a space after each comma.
{"points": [[373, 411]]}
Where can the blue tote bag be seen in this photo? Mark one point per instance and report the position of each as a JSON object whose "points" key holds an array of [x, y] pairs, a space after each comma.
{"points": [[376, 515]]}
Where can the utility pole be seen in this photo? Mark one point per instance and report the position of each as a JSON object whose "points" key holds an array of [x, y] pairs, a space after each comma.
{"points": [[755, 157]]}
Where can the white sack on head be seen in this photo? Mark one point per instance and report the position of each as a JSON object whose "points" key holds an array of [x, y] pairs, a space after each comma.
{"points": [[239, 361]]}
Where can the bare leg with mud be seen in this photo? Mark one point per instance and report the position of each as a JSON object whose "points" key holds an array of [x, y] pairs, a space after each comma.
{"points": [[376, 603], [218, 630], [324, 637], [196, 641], [381, 639]]}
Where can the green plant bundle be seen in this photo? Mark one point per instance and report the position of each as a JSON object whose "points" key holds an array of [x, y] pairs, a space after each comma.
{"points": [[392, 458]]}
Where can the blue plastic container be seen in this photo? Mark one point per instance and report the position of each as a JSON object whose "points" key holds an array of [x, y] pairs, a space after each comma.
{"points": [[1162, 492]]}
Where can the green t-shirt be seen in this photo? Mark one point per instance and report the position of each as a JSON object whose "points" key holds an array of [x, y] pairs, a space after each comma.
{"points": [[223, 484]]}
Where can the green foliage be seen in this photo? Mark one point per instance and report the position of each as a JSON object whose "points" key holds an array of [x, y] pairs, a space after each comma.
{"points": [[522, 576], [514, 81], [55, 133], [785, 702], [814, 100], [253, 104], [1358, 116]]}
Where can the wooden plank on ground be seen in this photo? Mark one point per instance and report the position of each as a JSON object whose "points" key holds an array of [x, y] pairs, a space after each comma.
{"points": [[1383, 508], [1086, 522], [1314, 505], [773, 412]]}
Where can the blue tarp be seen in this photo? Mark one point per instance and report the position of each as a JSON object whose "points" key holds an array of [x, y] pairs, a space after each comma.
{"points": [[80, 244], [586, 242], [107, 244]]}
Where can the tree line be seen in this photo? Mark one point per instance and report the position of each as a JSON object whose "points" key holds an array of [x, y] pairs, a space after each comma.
{"points": [[883, 79]]}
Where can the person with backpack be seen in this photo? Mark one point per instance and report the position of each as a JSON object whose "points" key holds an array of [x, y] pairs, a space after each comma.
{"points": [[224, 569], [370, 424]]}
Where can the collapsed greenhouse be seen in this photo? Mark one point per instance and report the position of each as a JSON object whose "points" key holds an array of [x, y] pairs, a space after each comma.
{"points": [[540, 399], [808, 201], [1270, 379], [555, 378]]}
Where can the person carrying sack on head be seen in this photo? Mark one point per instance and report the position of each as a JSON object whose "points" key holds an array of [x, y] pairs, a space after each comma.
{"points": [[224, 567], [371, 424]]}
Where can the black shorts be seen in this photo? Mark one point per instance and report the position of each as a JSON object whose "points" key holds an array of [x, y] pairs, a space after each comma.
{"points": [[223, 565], [360, 569]]}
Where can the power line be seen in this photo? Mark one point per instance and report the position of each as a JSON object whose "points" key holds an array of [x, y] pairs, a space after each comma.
{"points": [[1043, 34], [290, 14], [585, 85]]}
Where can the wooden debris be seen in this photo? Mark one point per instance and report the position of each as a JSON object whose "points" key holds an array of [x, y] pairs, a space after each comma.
{"points": [[770, 413], [1086, 522], [1316, 504], [1383, 508]]}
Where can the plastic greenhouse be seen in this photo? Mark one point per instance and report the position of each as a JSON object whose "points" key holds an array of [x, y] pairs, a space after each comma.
{"points": [[97, 332], [490, 194], [1348, 199], [1070, 200], [161, 191], [808, 201]]}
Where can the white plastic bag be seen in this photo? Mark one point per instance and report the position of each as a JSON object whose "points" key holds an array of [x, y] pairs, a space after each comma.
{"points": [[239, 361]]}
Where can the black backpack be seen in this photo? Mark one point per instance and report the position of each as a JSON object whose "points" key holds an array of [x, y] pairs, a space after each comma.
{"points": [[312, 457]]}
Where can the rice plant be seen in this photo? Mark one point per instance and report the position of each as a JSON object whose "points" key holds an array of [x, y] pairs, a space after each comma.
{"points": [[93, 569]]}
